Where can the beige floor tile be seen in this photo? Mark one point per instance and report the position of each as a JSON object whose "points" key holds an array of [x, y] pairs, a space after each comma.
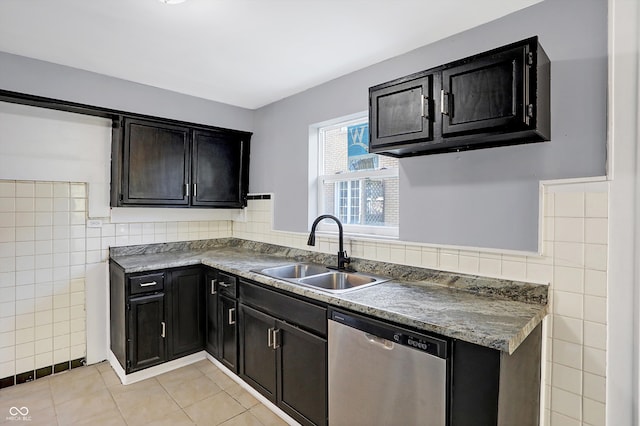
{"points": [[175, 418], [242, 396], [75, 384], [37, 400], [45, 417], [181, 374], [85, 407], [266, 416], [221, 379], [107, 418], [25, 388], [143, 401], [244, 419], [214, 410], [103, 366], [110, 378], [190, 391]]}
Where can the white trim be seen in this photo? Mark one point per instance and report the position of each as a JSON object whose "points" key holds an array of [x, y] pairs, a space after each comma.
{"points": [[361, 174], [623, 275], [147, 373]]}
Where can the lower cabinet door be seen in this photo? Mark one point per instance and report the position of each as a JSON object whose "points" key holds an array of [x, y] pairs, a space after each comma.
{"points": [[228, 328], [186, 313], [212, 329], [257, 356], [302, 381], [147, 331]]}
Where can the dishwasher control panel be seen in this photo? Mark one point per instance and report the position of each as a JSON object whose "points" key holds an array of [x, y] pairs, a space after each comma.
{"points": [[429, 344]]}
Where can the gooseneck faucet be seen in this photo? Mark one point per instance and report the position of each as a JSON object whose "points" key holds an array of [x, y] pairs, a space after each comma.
{"points": [[343, 260]]}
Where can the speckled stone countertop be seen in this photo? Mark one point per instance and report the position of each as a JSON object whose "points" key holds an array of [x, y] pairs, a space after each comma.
{"points": [[495, 313]]}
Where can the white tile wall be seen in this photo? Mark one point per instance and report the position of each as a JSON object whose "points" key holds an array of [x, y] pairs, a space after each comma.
{"points": [[45, 247], [574, 263]]}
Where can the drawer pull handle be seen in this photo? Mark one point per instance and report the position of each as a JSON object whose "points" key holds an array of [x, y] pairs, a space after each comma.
{"points": [[232, 320], [163, 329], [213, 287], [276, 338], [148, 284], [269, 338]]}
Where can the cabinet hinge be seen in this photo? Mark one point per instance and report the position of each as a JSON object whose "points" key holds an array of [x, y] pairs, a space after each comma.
{"points": [[530, 110], [530, 58], [128, 306], [121, 197], [128, 363]]}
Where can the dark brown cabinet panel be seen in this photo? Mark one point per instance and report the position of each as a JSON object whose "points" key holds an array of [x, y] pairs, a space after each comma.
{"points": [[156, 163], [222, 318], [147, 331], [229, 336], [213, 329], [174, 164], [186, 312], [257, 357], [402, 112], [279, 357], [499, 97], [487, 94], [218, 169], [302, 383]]}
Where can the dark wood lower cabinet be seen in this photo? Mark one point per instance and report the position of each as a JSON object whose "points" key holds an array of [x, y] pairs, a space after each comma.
{"points": [[286, 364], [229, 336], [302, 382], [147, 331], [186, 312]]}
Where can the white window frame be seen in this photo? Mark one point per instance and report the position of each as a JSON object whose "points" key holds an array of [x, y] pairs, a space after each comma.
{"points": [[349, 229]]}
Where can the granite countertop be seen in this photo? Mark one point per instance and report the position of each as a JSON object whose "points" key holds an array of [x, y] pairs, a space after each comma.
{"points": [[495, 313]]}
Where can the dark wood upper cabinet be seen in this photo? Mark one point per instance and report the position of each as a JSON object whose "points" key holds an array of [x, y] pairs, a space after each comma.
{"points": [[402, 112], [156, 162], [499, 97], [159, 163], [218, 169]]}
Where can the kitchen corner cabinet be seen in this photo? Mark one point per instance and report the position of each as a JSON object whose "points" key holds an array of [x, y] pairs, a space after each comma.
{"points": [[155, 316], [171, 164], [222, 314], [499, 97], [283, 351]]}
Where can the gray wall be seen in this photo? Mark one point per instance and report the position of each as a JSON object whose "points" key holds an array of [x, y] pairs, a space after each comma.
{"points": [[25, 75], [485, 198]]}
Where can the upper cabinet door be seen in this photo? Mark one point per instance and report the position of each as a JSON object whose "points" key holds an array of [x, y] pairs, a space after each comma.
{"points": [[156, 163], [220, 169], [401, 113], [487, 94]]}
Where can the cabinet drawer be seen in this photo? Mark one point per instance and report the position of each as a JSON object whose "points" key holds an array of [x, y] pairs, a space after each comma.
{"points": [[147, 283], [294, 311], [227, 285]]}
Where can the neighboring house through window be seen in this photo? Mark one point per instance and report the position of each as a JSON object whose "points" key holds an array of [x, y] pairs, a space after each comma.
{"points": [[359, 188]]}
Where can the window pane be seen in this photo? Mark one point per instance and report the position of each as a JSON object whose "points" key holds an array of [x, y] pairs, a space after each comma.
{"points": [[371, 200]]}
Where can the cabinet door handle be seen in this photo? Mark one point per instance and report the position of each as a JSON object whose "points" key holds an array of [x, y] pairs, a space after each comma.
{"points": [[163, 330], [444, 102], [148, 284], [232, 319], [195, 190], [424, 106], [186, 189], [276, 338], [213, 286], [269, 338]]}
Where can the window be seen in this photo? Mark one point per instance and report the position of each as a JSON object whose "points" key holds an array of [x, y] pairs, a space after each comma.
{"points": [[359, 188]]}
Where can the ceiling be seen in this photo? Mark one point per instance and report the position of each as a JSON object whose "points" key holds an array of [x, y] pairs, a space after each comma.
{"points": [[247, 53]]}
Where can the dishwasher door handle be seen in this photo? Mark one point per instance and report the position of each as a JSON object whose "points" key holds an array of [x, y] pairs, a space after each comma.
{"points": [[386, 344]]}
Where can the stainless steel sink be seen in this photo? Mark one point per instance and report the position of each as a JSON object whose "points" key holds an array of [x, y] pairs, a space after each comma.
{"points": [[321, 278], [298, 270]]}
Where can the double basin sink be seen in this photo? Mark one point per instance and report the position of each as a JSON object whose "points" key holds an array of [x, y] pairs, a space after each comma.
{"points": [[321, 277]]}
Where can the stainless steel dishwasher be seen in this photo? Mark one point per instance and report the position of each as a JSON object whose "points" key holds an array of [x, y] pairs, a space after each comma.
{"points": [[380, 374]]}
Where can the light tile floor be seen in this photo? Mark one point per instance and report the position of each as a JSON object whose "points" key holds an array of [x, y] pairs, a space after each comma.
{"points": [[196, 394]]}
